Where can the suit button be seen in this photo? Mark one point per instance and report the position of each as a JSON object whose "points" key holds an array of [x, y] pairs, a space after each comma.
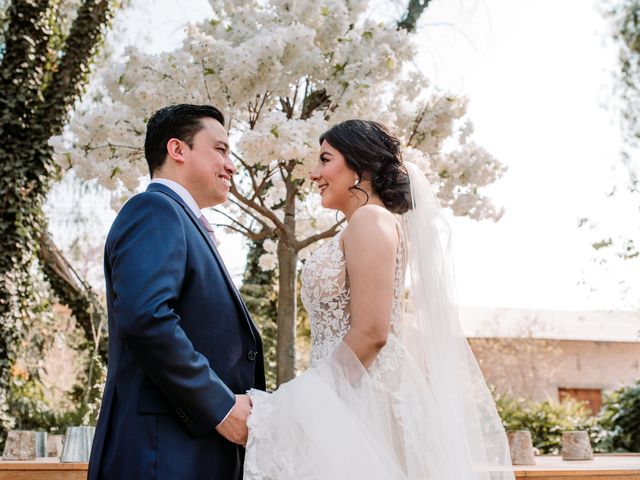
{"points": [[251, 355]]}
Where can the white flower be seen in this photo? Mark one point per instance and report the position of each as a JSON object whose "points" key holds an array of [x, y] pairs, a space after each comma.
{"points": [[268, 261], [264, 64]]}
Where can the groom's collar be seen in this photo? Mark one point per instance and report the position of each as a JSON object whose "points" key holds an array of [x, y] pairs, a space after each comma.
{"points": [[179, 190]]}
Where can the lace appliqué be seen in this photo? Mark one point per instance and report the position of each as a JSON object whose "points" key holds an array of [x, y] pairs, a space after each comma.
{"points": [[326, 294]]}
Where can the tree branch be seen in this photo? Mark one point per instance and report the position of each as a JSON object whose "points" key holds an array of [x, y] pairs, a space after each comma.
{"points": [[254, 237], [73, 67], [204, 81], [313, 101], [247, 231], [318, 236], [250, 213], [257, 189], [416, 123], [75, 293], [20, 65], [258, 208], [265, 97], [412, 14]]}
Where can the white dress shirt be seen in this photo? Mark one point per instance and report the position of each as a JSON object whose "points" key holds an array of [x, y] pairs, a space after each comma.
{"points": [[182, 192]]}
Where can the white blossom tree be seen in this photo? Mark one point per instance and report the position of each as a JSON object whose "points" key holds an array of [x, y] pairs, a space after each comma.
{"points": [[283, 71]]}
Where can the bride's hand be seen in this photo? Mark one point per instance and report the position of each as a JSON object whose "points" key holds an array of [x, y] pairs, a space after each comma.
{"points": [[234, 427]]}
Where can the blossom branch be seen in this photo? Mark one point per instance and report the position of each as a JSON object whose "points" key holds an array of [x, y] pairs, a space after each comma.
{"points": [[416, 124], [254, 111], [257, 189], [88, 148], [258, 208], [330, 232], [248, 231], [163, 75], [204, 81], [250, 213]]}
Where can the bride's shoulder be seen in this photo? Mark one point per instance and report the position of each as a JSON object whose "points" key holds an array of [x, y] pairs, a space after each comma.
{"points": [[372, 213], [372, 222]]}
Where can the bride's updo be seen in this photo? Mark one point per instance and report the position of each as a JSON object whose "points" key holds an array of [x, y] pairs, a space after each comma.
{"points": [[374, 153]]}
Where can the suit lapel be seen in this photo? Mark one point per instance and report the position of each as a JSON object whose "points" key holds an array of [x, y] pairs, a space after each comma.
{"points": [[167, 191]]}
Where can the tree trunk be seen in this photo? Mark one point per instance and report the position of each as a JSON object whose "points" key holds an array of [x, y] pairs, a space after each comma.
{"points": [[20, 183], [287, 294], [31, 110], [286, 354]]}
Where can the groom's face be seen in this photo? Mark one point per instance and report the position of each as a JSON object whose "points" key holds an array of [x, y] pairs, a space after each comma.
{"points": [[208, 164]]}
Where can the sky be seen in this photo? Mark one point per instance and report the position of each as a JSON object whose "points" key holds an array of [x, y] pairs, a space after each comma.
{"points": [[539, 79]]}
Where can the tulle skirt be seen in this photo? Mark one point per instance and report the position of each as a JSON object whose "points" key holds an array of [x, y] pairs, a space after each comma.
{"points": [[339, 421]]}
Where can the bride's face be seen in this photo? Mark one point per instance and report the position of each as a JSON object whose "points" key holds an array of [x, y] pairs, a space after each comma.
{"points": [[333, 177]]}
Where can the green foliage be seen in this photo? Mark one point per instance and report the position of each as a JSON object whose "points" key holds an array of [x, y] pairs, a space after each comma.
{"points": [[32, 411], [258, 293], [546, 420], [87, 393], [44, 61], [36, 400], [618, 428], [625, 17], [415, 8]]}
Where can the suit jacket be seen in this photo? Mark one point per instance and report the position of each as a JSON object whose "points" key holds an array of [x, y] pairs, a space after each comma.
{"points": [[181, 344]]}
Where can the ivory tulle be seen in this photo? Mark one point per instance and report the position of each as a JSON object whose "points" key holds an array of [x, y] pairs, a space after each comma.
{"points": [[421, 411], [334, 422]]}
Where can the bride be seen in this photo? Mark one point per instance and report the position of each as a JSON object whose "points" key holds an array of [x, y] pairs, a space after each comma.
{"points": [[393, 390]]}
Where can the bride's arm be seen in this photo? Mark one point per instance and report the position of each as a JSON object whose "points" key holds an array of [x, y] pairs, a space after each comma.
{"points": [[370, 243]]}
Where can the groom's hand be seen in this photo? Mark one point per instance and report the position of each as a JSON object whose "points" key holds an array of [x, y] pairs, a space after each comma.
{"points": [[234, 427]]}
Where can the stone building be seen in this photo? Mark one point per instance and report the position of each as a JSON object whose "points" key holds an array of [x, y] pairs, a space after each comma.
{"points": [[539, 354]]}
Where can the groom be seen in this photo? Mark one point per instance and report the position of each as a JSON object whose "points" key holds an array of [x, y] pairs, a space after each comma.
{"points": [[182, 347]]}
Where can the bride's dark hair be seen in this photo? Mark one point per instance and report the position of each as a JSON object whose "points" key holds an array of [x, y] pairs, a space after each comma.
{"points": [[374, 153]]}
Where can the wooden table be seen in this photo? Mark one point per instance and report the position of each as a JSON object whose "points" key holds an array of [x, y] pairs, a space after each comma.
{"points": [[42, 469], [602, 467]]}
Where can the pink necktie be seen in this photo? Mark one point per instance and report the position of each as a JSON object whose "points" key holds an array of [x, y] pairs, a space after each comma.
{"points": [[207, 226]]}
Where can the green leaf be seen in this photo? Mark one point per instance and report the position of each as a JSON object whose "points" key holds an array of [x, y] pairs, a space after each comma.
{"points": [[390, 63]]}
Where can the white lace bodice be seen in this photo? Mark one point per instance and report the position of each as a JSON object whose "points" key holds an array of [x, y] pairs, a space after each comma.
{"points": [[325, 294]]}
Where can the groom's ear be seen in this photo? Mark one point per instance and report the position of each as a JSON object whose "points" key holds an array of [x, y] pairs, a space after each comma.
{"points": [[176, 150]]}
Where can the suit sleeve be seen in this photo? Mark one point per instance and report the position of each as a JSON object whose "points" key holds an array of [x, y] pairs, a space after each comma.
{"points": [[147, 262]]}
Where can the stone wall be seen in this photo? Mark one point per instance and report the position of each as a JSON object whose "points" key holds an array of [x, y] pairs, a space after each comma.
{"points": [[536, 368]]}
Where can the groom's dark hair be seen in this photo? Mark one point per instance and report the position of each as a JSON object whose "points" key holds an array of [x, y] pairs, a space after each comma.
{"points": [[181, 121]]}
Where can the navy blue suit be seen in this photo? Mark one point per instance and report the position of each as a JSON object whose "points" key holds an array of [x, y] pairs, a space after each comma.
{"points": [[181, 344]]}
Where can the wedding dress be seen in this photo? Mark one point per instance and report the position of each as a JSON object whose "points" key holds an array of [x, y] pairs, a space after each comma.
{"points": [[420, 411]]}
